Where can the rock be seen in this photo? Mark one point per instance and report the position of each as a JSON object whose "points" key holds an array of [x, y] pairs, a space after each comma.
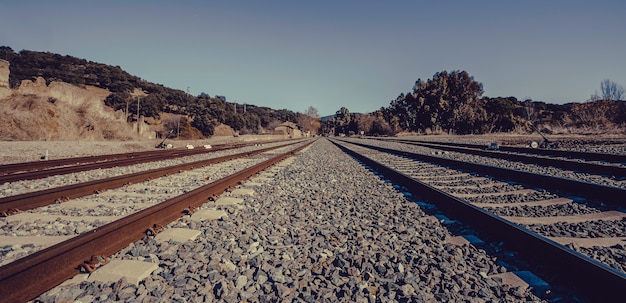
{"points": [[277, 276], [228, 266], [126, 294], [261, 277], [241, 282], [407, 290], [304, 237], [220, 290]]}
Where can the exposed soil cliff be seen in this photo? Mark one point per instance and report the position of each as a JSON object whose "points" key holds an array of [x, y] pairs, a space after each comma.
{"points": [[59, 111]]}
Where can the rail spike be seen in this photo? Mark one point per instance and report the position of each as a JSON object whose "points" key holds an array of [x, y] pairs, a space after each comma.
{"points": [[91, 265], [9, 212], [189, 211], [154, 229], [61, 200]]}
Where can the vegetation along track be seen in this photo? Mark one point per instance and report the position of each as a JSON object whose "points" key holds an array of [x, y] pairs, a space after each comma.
{"points": [[88, 246], [532, 219]]}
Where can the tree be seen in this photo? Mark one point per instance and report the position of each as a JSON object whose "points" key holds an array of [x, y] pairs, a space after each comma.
{"points": [[312, 112], [435, 104], [611, 90], [470, 118], [601, 113], [5, 51], [594, 97], [309, 121], [342, 120], [119, 101], [501, 111], [374, 124]]}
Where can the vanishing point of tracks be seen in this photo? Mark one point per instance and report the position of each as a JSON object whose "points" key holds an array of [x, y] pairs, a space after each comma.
{"points": [[28, 277], [542, 217]]}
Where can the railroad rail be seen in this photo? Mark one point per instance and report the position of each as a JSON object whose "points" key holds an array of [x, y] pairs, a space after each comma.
{"points": [[618, 172], [588, 156], [596, 280], [611, 195], [44, 164], [26, 278], [42, 169], [13, 204]]}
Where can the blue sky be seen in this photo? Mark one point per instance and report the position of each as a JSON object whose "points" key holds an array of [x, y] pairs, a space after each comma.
{"points": [[329, 54]]}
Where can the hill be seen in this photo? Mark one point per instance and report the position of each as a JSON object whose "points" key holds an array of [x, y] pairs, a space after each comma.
{"points": [[59, 111], [191, 115]]}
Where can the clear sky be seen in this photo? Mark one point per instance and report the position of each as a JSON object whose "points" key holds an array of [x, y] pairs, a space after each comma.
{"points": [[327, 54]]}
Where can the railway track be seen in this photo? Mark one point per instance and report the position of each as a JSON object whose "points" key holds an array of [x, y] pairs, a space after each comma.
{"points": [[568, 182], [557, 167], [140, 208], [42, 169], [14, 204], [604, 158], [550, 221]]}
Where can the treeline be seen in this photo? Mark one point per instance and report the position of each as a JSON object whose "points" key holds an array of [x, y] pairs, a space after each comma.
{"points": [[202, 112], [452, 102]]}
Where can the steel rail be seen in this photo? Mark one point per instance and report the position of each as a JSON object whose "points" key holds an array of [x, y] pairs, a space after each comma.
{"points": [[589, 156], [108, 162], [39, 165], [608, 194], [600, 282], [27, 278], [41, 169], [41, 198], [40, 174], [618, 172]]}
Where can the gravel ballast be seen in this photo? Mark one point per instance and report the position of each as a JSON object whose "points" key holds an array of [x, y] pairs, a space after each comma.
{"points": [[538, 169], [323, 229], [439, 175], [82, 214], [26, 186]]}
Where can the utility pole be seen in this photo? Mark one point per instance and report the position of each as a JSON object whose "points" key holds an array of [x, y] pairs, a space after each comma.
{"points": [[127, 106], [137, 111], [244, 108], [178, 128]]}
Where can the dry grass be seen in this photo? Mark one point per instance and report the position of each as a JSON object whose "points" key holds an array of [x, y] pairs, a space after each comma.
{"points": [[40, 118]]}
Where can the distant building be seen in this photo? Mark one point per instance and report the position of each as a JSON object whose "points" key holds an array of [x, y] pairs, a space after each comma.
{"points": [[290, 129]]}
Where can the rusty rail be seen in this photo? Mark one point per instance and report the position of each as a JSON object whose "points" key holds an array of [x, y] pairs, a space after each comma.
{"points": [[618, 172], [598, 281], [609, 194], [13, 204], [570, 154], [27, 278], [41, 165], [42, 169]]}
